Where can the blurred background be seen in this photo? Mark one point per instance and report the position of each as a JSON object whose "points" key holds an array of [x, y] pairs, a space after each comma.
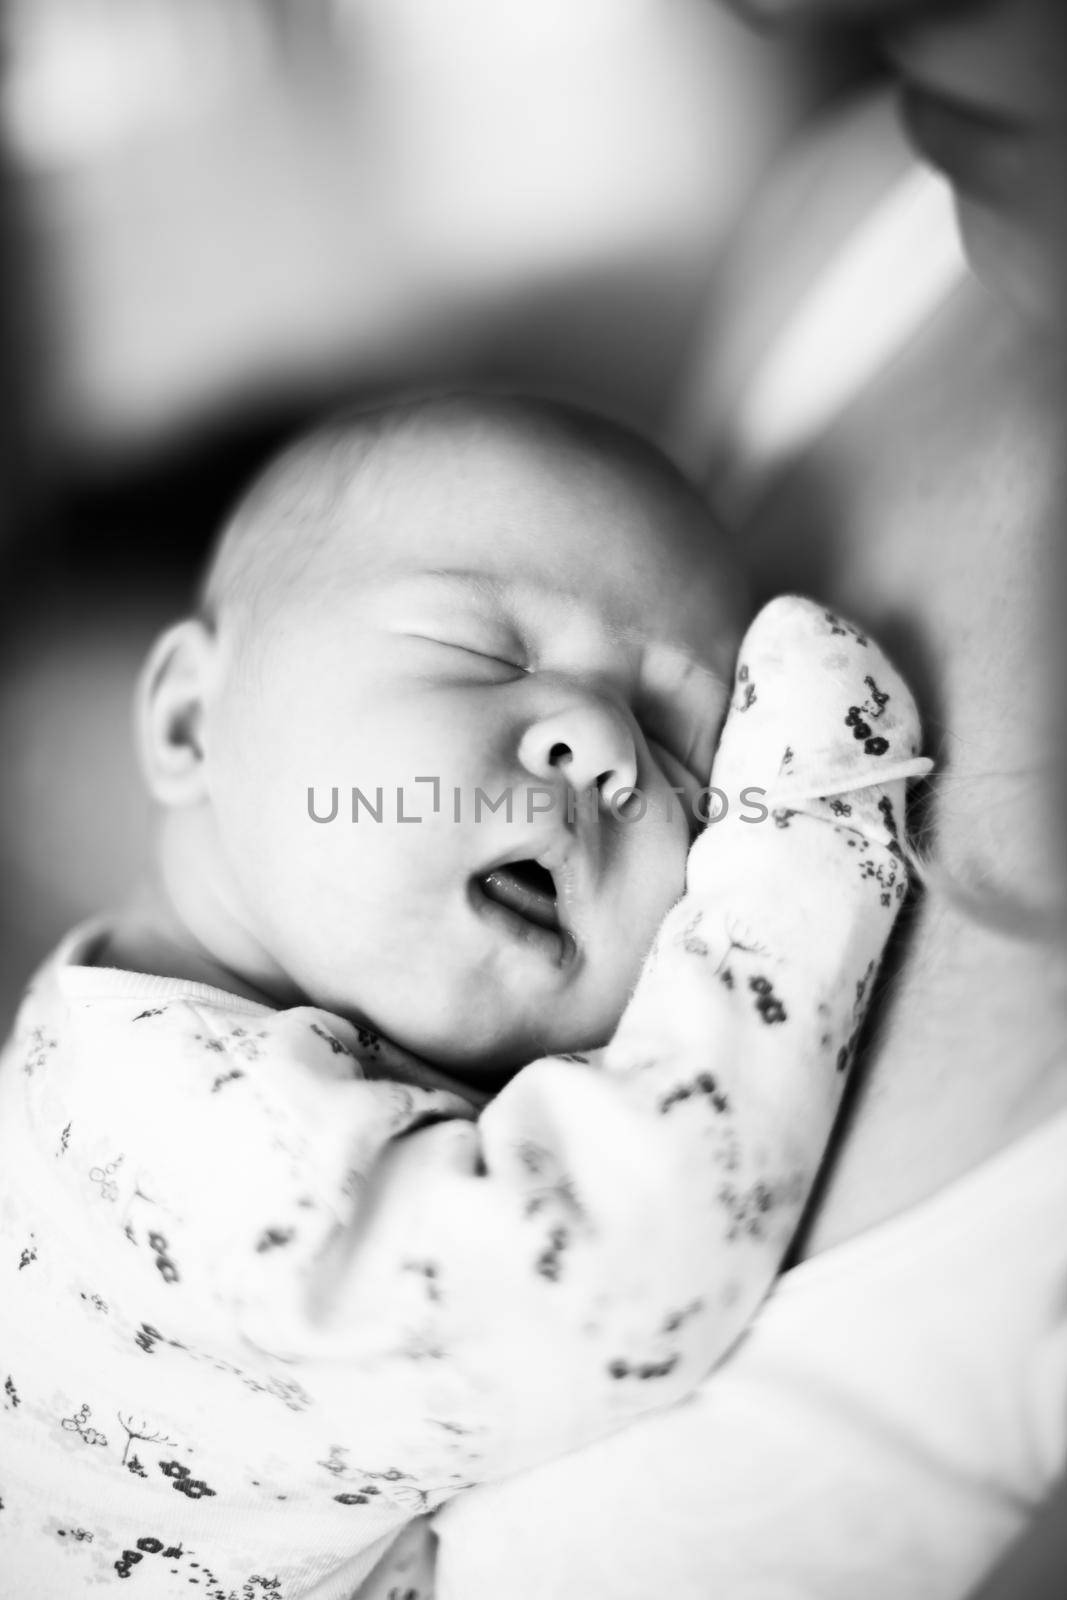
{"points": [[218, 217]]}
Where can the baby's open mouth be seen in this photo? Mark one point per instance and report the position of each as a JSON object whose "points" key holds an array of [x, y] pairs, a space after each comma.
{"points": [[526, 888]]}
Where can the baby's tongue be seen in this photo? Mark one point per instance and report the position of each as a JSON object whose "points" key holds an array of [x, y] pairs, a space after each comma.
{"points": [[525, 887]]}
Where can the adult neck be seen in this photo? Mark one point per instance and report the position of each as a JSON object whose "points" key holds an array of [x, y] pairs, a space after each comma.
{"points": [[932, 513]]}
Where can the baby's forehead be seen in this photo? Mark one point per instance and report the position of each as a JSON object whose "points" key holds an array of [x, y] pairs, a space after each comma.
{"points": [[537, 504]]}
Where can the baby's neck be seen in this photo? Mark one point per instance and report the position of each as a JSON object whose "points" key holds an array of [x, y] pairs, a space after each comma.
{"points": [[149, 935]]}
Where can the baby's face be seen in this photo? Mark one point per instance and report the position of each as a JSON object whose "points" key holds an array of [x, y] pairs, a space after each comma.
{"points": [[518, 622]]}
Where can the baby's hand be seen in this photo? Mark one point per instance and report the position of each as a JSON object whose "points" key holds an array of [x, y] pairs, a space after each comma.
{"points": [[819, 722]]}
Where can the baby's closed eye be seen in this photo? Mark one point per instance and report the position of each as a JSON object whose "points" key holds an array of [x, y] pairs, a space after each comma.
{"points": [[501, 654]]}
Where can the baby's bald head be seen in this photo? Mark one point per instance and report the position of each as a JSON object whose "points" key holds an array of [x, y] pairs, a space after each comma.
{"points": [[332, 500]]}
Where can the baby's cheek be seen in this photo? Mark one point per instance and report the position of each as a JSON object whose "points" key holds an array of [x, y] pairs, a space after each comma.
{"points": [[660, 845], [625, 943], [657, 882]]}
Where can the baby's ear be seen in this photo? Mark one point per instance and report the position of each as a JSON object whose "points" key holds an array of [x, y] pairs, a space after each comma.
{"points": [[172, 700]]}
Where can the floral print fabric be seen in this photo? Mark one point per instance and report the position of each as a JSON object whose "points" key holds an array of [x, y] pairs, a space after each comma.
{"points": [[270, 1290]]}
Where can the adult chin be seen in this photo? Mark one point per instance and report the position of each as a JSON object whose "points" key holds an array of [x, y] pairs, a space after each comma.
{"points": [[1023, 262]]}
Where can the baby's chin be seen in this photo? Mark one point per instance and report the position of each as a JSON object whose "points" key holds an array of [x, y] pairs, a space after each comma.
{"points": [[489, 1061], [481, 1028]]}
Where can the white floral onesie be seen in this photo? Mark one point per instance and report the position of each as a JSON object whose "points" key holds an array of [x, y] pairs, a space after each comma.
{"points": [[269, 1289]]}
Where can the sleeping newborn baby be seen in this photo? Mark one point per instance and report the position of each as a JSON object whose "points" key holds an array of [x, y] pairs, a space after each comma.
{"points": [[439, 1104]]}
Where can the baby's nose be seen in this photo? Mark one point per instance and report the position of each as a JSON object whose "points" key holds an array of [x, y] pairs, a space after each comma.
{"points": [[589, 745]]}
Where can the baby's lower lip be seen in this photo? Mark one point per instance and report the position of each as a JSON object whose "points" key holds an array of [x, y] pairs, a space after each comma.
{"points": [[556, 943]]}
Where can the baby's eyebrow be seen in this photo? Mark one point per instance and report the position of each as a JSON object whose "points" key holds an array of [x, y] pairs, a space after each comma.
{"points": [[519, 603], [469, 577], [468, 580]]}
